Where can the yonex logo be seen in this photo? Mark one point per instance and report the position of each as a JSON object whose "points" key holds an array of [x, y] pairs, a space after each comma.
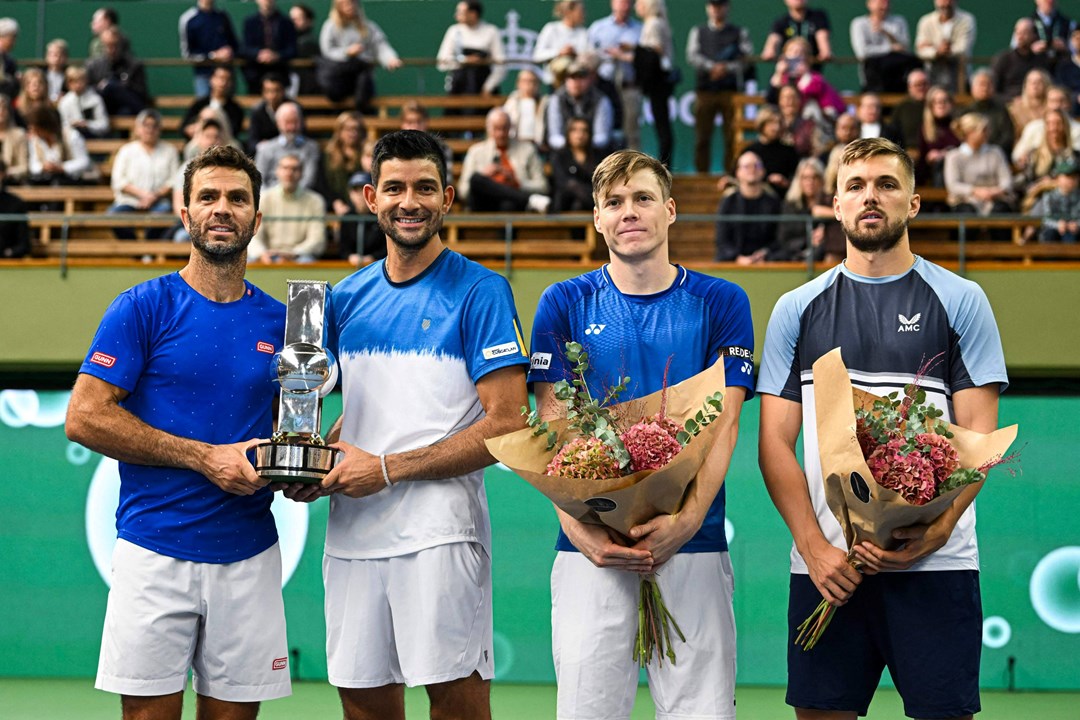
{"points": [[280, 663], [594, 329], [909, 324], [264, 347], [100, 358]]}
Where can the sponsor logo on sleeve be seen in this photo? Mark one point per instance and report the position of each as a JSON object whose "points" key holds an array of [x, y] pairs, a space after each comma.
{"points": [[265, 347], [280, 663], [541, 361], [100, 358], [738, 352], [498, 351]]}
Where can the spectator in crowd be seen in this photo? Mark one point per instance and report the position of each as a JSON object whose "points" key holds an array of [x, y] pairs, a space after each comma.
{"points": [[778, 158], [994, 110], [210, 134], [936, 138], [118, 76], [105, 18], [501, 174], [269, 44], [262, 124], [56, 64], [14, 234], [206, 33], [1053, 30], [143, 172], [471, 53], [81, 107], [868, 114], [654, 62], [307, 48], [847, 129], [1067, 71], [13, 149], [527, 108], [907, 116], [614, 38], [1031, 138], [342, 158], [289, 140], [1031, 102], [747, 243], [1059, 207], [800, 126], [882, 43], [572, 167], [1034, 176], [194, 147], [561, 41], [793, 68], [414, 116], [9, 70], [302, 237], [977, 174], [362, 242], [944, 39], [807, 196], [579, 98], [351, 45], [55, 155], [805, 22], [717, 51], [220, 95], [1011, 66], [33, 94]]}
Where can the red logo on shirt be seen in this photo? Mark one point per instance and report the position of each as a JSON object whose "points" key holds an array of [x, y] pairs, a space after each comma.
{"points": [[100, 358], [265, 347], [280, 663]]}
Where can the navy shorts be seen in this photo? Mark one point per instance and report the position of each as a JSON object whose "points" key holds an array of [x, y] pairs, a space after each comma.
{"points": [[926, 627]]}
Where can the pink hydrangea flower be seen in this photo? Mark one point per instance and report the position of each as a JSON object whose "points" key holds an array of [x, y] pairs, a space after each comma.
{"points": [[651, 443], [584, 458]]}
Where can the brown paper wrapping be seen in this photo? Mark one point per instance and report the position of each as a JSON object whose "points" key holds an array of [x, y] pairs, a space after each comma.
{"points": [[623, 502], [879, 511]]}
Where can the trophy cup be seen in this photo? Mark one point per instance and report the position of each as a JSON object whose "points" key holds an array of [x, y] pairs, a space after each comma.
{"points": [[306, 371]]}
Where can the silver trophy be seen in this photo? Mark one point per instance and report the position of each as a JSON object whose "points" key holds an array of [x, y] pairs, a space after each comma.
{"points": [[306, 371]]}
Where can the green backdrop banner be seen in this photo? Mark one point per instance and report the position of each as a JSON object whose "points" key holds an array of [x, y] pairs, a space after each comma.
{"points": [[56, 531]]}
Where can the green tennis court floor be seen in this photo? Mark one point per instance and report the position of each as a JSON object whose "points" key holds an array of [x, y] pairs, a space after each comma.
{"points": [[35, 699]]}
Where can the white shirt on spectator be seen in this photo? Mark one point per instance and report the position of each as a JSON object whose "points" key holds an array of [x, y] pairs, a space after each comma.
{"points": [[485, 37], [89, 107], [147, 170]]}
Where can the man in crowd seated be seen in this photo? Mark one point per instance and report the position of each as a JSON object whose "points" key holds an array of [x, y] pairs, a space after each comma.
{"points": [[269, 44], [299, 239], [290, 140], [716, 50], [995, 111], [1011, 66], [943, 39], [614, 38], [307, 47], [1053, 30], [800, 21], [882, 43], [143, 172], [105, 18], [580, 98], [868, 113], [9, 71], [747, 243], [206, 33], [471, 53], [501, 174], [1034, 132], [14, 234], [262, 124], [118, 76], [907, 116]]}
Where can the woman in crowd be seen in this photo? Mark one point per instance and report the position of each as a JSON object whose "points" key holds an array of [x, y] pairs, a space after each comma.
{"points": [[778, 157], [977, 173], [527, 107], [572, 167], [1034, 178], [13, 149], [794, 68], [56, 155], [796, 128], [561, 41], [34, 93], [936, 137], [653, 66], [1031, 102], [351, 45], [807, 196], [222, 87], [342, 158]]}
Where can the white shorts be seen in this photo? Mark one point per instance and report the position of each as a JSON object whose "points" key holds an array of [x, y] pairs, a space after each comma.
{"points": [[224, 622], [594, 618], [417, 619]]}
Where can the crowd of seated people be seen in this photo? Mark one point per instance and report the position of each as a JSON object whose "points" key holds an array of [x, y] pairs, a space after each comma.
{"points": [[989, 137]]}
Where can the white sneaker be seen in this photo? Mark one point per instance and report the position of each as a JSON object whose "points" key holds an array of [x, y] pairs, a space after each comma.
{"points": [[539, 203]]}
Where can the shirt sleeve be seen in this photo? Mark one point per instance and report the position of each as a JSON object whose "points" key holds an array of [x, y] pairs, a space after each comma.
{"points": [[981, 360], [778, 374], [733, 336], [118, 352], [491, 331], [550, 333]]}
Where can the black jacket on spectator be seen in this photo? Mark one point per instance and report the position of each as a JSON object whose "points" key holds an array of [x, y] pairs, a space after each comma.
{"points": [[14, 234], [121, 84], [274, 32], [571, 181], [745, 238], [261, 126], [777, 157]]}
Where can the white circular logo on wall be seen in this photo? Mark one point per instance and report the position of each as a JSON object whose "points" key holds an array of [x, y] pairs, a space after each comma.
{"points": [[104, 497]]}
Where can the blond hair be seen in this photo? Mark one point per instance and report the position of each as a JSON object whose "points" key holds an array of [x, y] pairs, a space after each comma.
{"points": [[623, 165]]}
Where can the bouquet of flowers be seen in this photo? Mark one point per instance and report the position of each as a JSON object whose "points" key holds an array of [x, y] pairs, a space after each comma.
{"points": [[889, 463], [622, 464]]}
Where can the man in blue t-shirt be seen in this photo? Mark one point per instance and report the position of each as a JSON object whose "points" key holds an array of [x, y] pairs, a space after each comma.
{"points": [[915, 607], [657, 323], [176, 386], [432, 363]]}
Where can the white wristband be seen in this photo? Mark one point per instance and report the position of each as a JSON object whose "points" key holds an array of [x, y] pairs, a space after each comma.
{"points": [[385, 475]]}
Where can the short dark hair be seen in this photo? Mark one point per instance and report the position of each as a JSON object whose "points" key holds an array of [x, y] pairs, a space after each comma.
{"points": [[305, 10], [475, 6], [110, 14], [44, 117], [274, 77], [407, 145], [224, 156]]}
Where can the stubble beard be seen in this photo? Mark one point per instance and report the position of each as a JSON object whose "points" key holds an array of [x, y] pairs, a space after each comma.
{"points": [[409, 245], [219, 253], [876, 240]]}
